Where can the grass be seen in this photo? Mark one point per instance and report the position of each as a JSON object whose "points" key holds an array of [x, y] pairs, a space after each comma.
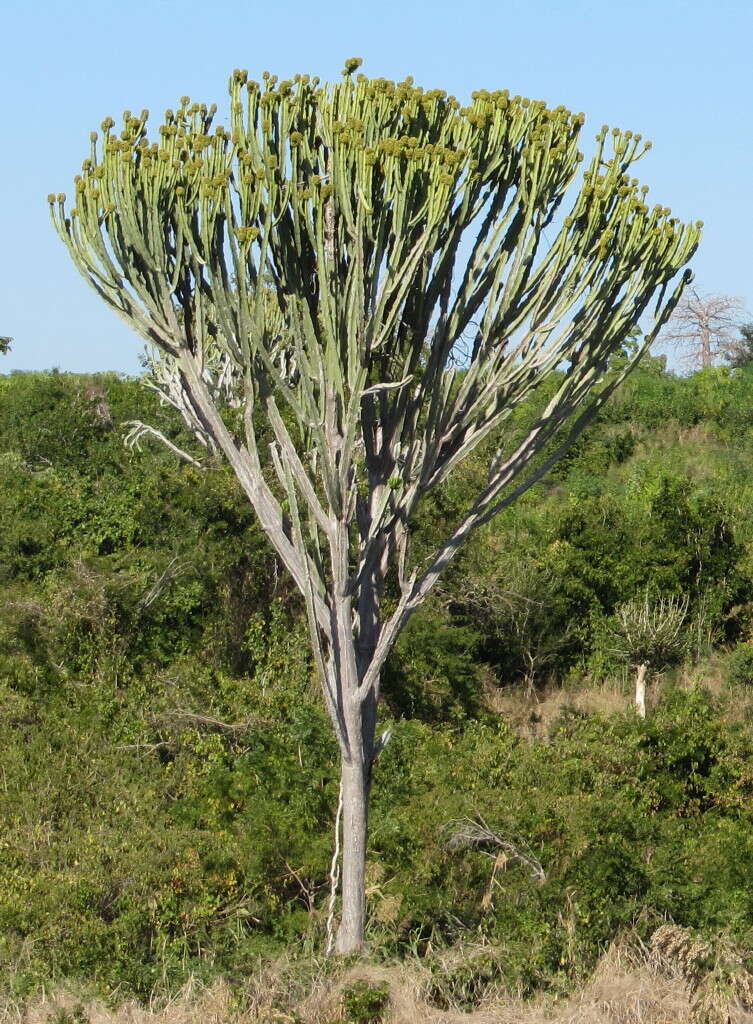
{"points": [[628, 987], [633, 983], [533, 715]]}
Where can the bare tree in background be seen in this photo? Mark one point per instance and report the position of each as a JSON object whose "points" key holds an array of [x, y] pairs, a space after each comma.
{"points": [[704, 328]]}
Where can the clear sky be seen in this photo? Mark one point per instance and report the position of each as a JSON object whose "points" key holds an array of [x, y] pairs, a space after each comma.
{"points": [[678, 71]]}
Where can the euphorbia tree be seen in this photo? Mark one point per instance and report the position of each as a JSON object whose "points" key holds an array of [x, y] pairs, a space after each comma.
{"points": [[650, 634], [319, 262]]}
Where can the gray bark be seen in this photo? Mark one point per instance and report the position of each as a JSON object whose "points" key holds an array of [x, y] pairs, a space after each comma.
{"points": [[355, 782]]}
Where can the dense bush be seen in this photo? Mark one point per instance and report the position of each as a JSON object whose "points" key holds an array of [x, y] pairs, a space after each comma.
{"points": [[163, 843], [740, 666], [169, 781]]}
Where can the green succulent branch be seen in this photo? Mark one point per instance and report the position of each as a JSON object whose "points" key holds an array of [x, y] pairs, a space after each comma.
{"points": [[167, 230], [321, 260]]}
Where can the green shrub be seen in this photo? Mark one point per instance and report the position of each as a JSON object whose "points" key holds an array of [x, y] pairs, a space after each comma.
{"points": [[740, 666], [431, 673], [364, 1003]]}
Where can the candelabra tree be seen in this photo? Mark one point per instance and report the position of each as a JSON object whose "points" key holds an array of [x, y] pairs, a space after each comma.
{"points": [[650, 634], [320, 262]]}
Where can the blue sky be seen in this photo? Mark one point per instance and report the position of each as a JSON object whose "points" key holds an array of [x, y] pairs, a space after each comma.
{"points": [[678, 71]]}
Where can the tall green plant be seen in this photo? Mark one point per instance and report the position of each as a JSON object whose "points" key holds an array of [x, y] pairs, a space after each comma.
{"points": [[366, 264]]}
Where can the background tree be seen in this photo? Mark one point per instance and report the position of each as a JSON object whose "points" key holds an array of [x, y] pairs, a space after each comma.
{"points": [[704, 328], [516, 603], [740, 351], [649, 634], [328, 253]]}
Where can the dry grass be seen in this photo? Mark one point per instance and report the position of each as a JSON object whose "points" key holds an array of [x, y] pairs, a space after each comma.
{"points": [[533, 715], [631, 985]]}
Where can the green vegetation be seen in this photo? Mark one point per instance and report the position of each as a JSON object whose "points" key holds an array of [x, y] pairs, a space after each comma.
{"points": [[364, 1003], [167, 797]]}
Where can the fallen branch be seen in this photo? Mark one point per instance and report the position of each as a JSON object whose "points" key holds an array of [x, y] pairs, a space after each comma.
{"points": [[144, 746], [475, 834], [208, 722]]}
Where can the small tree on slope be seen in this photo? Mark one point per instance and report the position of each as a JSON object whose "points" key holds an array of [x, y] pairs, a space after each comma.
{"points": [[321, 259]]}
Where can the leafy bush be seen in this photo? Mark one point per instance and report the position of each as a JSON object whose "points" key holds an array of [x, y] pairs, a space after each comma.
{"points": [[432, 673], [169, 781], [364, 1003], [740, 666]]}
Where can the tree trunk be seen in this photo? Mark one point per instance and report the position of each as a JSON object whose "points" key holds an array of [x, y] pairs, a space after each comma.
{"points": [[640, 691], [355, 790]]}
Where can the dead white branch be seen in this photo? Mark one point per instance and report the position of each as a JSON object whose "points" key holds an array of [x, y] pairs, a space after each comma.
{"points": [[475, 834]]}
